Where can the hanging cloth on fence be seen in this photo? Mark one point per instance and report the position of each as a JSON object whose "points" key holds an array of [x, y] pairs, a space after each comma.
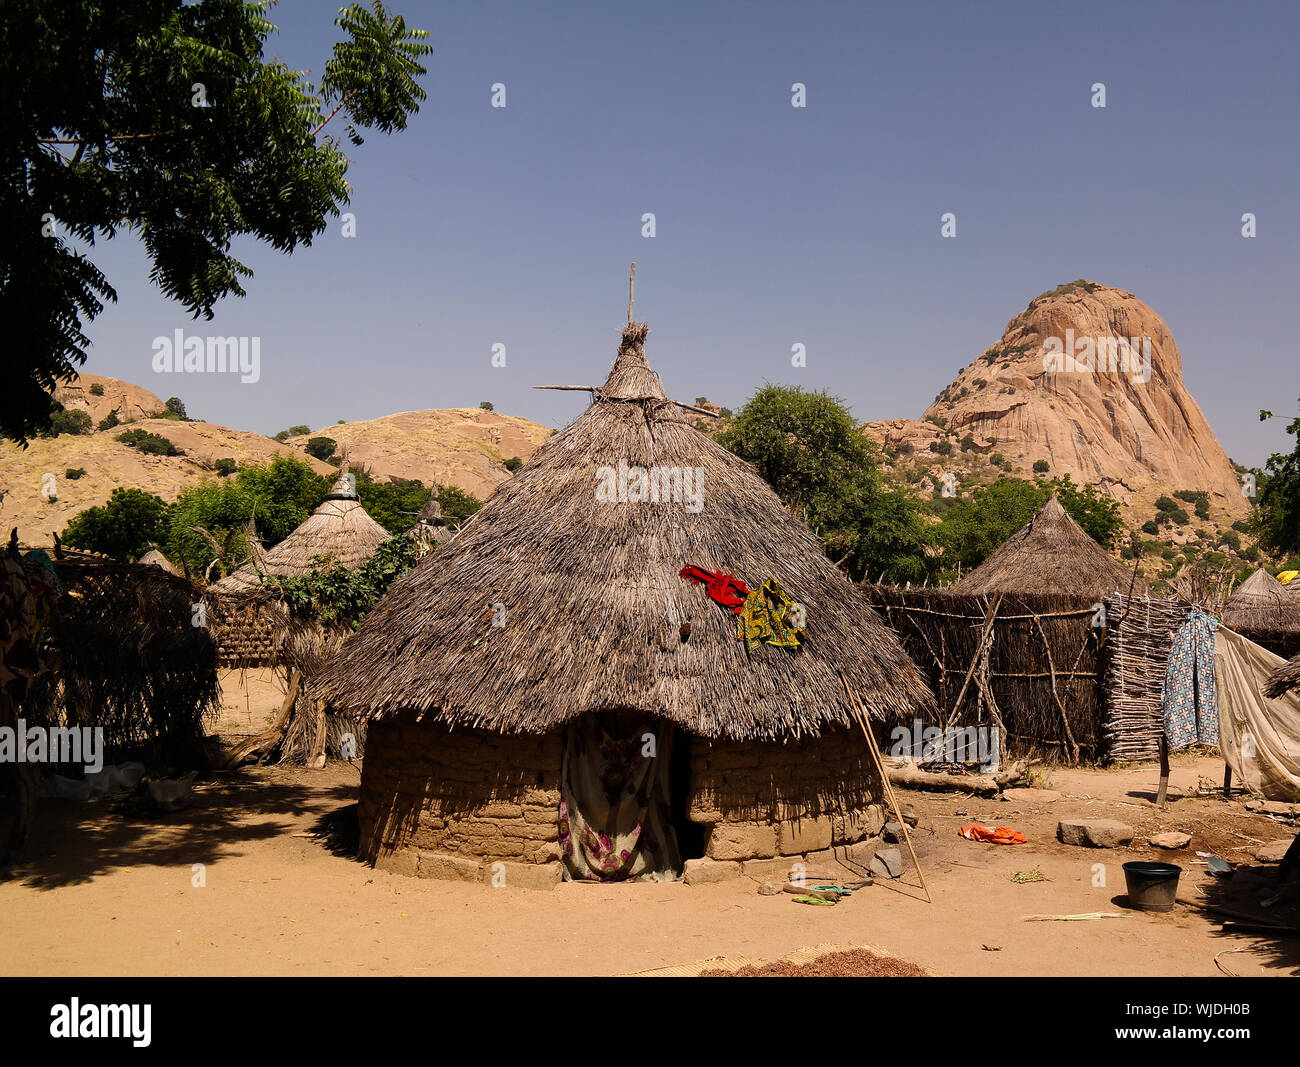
{"points": [[1259, 738], [769, 617], [725, 589], [1190, 703]]}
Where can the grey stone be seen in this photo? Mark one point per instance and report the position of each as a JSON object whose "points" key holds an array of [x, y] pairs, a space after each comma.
{"points": [[887, 863], [1094, 833], [908, 812], [769, 889], [1170, 839], [893, 831]]}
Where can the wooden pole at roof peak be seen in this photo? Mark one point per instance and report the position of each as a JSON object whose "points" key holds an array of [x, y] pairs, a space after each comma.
{"points": [[631, 281]]}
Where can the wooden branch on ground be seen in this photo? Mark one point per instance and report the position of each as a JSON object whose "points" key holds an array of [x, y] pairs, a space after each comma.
{"points": [[911, 776], [268, 739]]}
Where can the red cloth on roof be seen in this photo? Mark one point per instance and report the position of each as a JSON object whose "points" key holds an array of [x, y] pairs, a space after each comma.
{"points": [[725, 589]]}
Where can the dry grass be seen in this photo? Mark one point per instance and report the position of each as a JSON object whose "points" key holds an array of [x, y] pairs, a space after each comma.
{"points": [[595, 605]]}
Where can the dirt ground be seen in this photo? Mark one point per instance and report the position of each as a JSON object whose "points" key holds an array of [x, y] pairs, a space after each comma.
{"points": [[106, 895]]}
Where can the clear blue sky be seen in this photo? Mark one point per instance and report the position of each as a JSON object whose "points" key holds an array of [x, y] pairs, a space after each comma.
{"points": [[775, 225]]}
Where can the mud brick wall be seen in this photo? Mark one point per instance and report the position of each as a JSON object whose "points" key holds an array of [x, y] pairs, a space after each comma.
{"points": [[765, 799], [484, 796]]}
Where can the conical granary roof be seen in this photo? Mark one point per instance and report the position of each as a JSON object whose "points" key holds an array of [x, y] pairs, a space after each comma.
{"points": [[1050, 555], [563, 595], [1262, 604], [340, 528]]}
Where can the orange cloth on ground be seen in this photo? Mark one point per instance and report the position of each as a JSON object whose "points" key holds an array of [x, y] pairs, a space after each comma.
{"points": [[1003, 835]]}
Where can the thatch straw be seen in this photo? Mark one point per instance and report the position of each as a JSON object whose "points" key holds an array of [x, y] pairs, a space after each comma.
{"points": [[156, 559], [1262, 605], [340, 528], [1051, 554], [130, 660], [1284, 679], [595, 606]]}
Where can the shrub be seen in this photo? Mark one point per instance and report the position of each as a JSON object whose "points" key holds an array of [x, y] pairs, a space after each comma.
{"points": [[943, 448], [513, 464], [69, 422], [1150, 527], [321, 447], [1041, 466], [151, 443], [109, 421], [225, 466], [96, 389], [486, 405], [282, 436], [73, 473]]}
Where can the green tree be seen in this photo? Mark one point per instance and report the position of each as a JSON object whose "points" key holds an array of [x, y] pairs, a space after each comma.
{"points": [[486, 405], [73, 421], [456, 504], [321, 447], [174, 408], [807, 447], [394, 504], [1278, 519], [123, 528], [153, 444], [332, 593], [165, 119]]}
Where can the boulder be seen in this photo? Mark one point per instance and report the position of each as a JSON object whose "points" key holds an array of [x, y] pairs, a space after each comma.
{"points": [[704, 871], [1170, 839], [1094, 833], [887, 863], [893, 831], [742, 841]]}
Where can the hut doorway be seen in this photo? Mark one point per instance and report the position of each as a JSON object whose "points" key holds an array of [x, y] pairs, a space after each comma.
{"points": [[616, 817], [690, 835]]}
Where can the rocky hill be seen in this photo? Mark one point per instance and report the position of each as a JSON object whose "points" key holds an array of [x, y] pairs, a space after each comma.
{"points": [[461, 447], [1086, 381], [464, 447]]}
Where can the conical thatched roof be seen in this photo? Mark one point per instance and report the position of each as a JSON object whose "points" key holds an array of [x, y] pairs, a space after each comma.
{"points": [[339, 528], [595, 606], [1262, 605], [1284, 679], [157, 559], [1051, 555]]}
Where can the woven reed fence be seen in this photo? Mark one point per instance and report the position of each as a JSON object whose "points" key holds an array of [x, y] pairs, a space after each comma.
{"points": [[1037, 669], [1139, 638], [127, 659]]}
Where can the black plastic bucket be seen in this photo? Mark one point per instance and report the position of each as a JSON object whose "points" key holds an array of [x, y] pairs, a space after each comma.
{"points": [[1151, 886]]}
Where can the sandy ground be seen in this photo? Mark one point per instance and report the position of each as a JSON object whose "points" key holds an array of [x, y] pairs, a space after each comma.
{"points": [[103, 894]]}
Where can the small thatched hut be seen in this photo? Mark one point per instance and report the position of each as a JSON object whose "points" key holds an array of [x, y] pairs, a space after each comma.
{"points": [[1051, 554], [340, 528], [548, 697], [1265, 611], [155, 558]]}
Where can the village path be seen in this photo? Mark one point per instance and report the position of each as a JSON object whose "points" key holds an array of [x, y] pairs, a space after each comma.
{"points": [[103, 895]]}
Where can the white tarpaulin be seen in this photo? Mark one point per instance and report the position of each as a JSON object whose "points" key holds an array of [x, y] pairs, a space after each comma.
{"points": [[1258, 738]]}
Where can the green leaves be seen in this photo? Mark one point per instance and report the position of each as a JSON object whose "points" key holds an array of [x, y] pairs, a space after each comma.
{"points": [[163, 117], [333, 594]]}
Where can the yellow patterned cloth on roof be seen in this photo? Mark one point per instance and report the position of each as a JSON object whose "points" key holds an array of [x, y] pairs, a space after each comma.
{"points": [[770, 617]]}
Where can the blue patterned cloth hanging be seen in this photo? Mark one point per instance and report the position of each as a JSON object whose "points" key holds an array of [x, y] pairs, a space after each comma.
{"points": [[1190, 701]]}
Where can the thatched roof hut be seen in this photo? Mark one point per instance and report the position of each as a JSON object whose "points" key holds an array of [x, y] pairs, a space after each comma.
{"points": [[1050, 554], [429, 531], [558, 614], [155, 558], [1264, 610], [340, 528], [597, 601]]}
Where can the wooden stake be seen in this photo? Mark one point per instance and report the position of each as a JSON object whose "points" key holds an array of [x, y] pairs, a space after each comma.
{"points": [[859, 714], [1227, 782], [1163, 791], [631, 281]]}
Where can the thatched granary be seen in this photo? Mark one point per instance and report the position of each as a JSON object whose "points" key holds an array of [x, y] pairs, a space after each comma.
{"points": [[340, 528], [155, 558], [548, 677], [1050, 554], [1265, 611], [429, 531]]}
